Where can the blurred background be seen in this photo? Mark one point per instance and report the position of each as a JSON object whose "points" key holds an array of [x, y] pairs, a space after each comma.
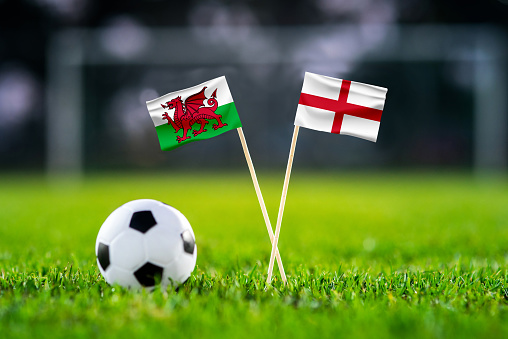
{"points": [[75, 75]]}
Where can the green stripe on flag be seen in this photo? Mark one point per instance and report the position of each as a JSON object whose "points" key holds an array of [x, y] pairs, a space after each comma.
{"points": [[168, 137]]}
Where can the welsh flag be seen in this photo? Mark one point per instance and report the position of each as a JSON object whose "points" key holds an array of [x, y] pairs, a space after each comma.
{"points": [[196, 113], [340, 106]]}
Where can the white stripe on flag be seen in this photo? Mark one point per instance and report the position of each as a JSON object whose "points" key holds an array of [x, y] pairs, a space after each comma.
{"points": [[319, 119], [367, 95], [360, 128], [321, 86]]}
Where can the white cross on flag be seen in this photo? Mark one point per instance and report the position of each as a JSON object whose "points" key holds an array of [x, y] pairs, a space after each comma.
{"points": [[340, 106]]}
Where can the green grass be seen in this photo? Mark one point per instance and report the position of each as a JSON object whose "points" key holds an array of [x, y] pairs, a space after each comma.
{"points": [[367, 256]]}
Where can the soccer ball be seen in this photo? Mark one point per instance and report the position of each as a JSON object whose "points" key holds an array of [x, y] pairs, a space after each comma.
{"points": [[144, 242]]}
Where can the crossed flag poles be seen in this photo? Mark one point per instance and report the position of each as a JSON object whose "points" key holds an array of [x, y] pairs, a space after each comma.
{"points": [[275, 250], [326, 104]]}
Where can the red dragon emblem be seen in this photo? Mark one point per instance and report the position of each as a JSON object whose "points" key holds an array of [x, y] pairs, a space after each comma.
{"points": [[193, 111]]}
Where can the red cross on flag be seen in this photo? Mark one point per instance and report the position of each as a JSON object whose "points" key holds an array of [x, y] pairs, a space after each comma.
{"points": [[340, 106]]}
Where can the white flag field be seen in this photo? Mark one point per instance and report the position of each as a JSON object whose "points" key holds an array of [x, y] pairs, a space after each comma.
{"points": [[340, 106]]}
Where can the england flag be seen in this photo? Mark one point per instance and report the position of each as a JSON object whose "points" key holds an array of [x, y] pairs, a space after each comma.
{"points": [[340, 106]]}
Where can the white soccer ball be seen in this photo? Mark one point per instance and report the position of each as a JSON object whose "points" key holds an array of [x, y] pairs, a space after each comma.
{"points": [[143, 242]]}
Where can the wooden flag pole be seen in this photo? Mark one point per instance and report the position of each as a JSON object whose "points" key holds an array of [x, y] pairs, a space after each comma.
{"points": [[261, 201], [282, 202]]}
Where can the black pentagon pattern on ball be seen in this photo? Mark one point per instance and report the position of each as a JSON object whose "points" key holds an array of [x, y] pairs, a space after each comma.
{"points": [[148, 274], [188, 242], [142, 221], [103, 255]]}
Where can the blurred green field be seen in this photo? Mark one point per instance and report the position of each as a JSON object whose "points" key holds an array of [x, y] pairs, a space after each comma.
{"points": [[367, 255]]}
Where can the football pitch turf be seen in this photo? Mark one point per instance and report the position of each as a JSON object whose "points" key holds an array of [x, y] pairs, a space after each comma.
{"points": [[367, 256]]}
